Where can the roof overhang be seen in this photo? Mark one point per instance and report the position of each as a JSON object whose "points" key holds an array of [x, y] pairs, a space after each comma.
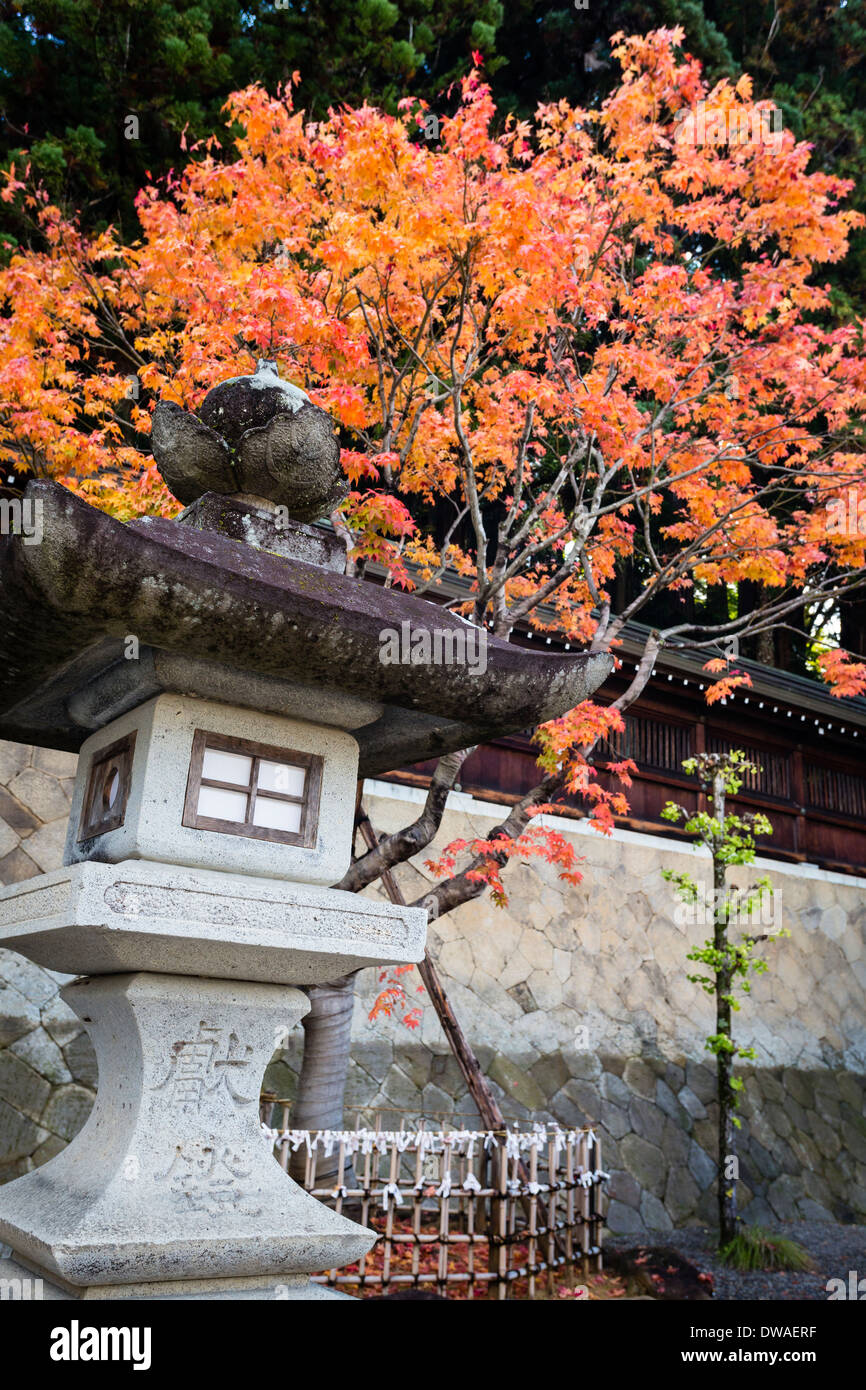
{"points": [[216, 618]]}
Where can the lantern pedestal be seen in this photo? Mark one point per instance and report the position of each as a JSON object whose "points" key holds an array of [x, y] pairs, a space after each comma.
{"points": [[171, 1178]]}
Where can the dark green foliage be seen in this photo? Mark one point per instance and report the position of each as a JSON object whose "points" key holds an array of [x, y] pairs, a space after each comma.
{"points": [[72, 71]]}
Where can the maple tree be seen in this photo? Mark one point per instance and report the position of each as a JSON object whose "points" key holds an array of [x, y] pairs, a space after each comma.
{"points": [[555, 349]]}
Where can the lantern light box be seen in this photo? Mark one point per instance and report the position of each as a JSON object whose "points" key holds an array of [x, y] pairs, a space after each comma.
{"points": [[193, 782]]}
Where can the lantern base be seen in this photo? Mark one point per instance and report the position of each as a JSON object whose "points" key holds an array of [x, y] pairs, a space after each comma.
{"points": [[171, 1181], [29, 1284]]}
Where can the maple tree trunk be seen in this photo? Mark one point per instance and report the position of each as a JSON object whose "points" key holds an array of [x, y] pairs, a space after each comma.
{"points": [[322, 1080]]}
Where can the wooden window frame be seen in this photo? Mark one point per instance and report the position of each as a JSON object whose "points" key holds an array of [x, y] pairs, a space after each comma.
{"points": [[118, 755], [304, 838]]}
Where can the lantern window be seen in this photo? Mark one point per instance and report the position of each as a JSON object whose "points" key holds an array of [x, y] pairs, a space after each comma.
{"points": [[240, 788], [107, 789]]}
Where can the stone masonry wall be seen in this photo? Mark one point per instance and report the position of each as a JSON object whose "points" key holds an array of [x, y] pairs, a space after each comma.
{"points": [[47, 1066], [576, 1001]]}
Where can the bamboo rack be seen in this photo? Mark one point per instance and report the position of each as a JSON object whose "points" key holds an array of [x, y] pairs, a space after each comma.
{"points": [[493, 1211]]}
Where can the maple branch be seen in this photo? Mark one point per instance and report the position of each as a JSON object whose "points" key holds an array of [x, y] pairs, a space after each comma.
{"points": [[403, 844], [520, 463], [461, 888]]}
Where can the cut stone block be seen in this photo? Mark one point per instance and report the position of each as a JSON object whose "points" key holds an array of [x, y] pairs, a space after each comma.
{"points": [[81, 1061], [55, 761], [171, 1177], [22, 1087], [41, 793], [13, 756], [18, 817], [41, 1053], [60, 1022], [33, 983], [67, 1111], [18, 1014], [45, 846], [53, 1146], [17, 866], [8, 839], [517, 1083], [19, 1136], [96, 919]]}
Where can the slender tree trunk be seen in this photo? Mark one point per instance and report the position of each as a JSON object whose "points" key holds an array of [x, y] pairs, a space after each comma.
{"points": [[724, 1066], [727, 1193], [322, 1081]]}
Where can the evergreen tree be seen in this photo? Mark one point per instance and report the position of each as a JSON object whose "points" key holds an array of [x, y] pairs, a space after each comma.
{"points": [[74, 72], [96, 95]]}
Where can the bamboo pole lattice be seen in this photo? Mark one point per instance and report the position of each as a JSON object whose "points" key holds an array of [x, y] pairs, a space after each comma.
{"points": [[483, 1209]]}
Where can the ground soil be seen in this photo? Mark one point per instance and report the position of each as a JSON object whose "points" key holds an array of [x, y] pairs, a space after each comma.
{"points": [[835, 1251]]}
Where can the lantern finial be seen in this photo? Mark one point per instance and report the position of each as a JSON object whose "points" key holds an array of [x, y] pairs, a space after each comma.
{"points": [[257, 436]]}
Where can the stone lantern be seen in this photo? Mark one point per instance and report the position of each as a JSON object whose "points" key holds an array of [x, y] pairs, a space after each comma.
{"points": [[220, 676]]}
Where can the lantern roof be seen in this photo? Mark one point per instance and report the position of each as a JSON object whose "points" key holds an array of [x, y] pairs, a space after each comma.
{"points": [[101, 615]]}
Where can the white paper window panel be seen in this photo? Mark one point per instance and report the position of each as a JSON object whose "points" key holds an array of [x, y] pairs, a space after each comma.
{"points": [[111, 787], [277, 815], [281, 777], [226, 767], [220, 804]]}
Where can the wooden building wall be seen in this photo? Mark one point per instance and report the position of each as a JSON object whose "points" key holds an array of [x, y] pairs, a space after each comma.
{"points": [[812, 783]]}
